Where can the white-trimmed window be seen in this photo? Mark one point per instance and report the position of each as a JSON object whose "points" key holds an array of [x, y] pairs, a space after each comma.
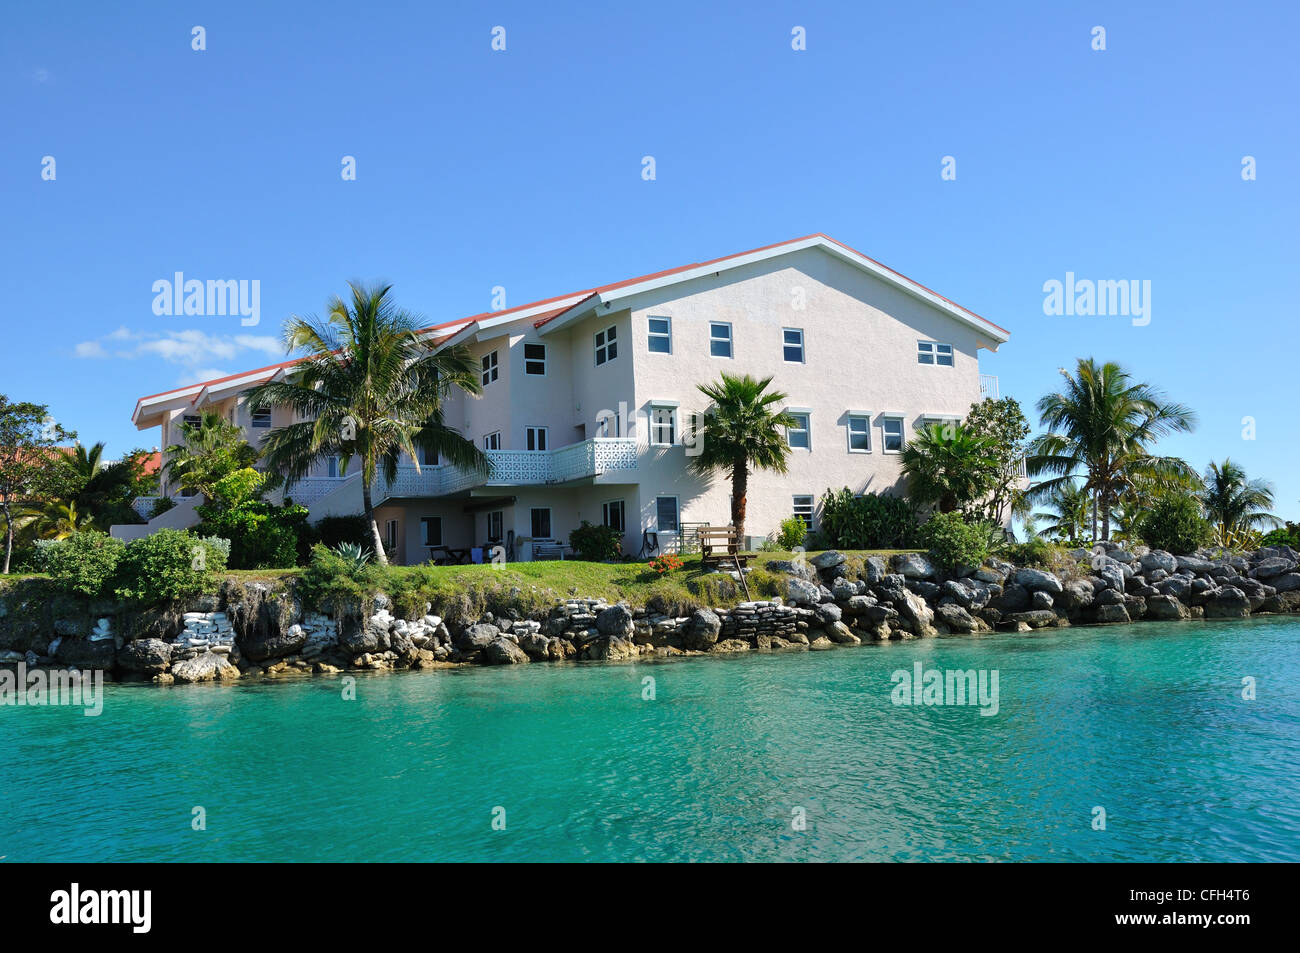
{"points": [[720, 339], [492, 441], [799, 434], [194, 420], [859, 428], [792, 345], [931, 420], [659, 333], [609, 424], [261, 419], [606, 345], [663, 425], [666, 514], [541, 522], [535, 359], [803, 508], [489, 368], [495, 524], [891, 432], [536, 438], [431, 530], [613, 515], [932, 352], [390, 534]]}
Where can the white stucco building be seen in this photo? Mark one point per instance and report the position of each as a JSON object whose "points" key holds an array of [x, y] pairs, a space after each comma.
{"points": [[585, 396]]}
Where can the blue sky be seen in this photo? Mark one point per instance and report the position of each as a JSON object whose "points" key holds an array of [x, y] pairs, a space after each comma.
{"points": [[522, 169]]}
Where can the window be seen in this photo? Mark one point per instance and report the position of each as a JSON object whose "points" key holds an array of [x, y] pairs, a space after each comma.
{"points": [[261, 418], [535, 359], [945, 422], [798, 434], [606, 345], [494, 526], [490, 368], [859, 433], [661, 335], [332, 467], [892, 428], [192, 420], [431, 530], [541, 522], [930, 352], [428, 458], [666, 514], [390, 534], [803, 508], [611, 514], [663, 425], [536, 438], [793, 345], [719, 339], [492, 441], [609, 425]]}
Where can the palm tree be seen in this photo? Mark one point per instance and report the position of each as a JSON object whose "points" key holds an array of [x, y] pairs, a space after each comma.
{"points": [[949, 465], [741, 429], [212, 449], [1235, 503], [370, 387], [1103, 423], [1067, 511]]}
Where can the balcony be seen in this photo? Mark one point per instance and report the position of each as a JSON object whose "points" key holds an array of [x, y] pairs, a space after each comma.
{"points": [[589, 459], [988, 386]]}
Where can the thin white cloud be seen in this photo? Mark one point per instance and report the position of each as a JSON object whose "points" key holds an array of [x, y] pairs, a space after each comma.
{"points": [[41, 75], [90, 349], [193, 349]]}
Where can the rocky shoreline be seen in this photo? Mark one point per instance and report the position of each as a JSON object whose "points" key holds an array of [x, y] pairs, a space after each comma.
{"points": [[251, 630]]}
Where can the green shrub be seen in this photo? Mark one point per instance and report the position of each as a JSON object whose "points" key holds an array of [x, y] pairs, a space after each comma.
{"points": [[329, 531], [83, 564], [166, 565], [1036, 552], [1288, 535], [262, 536], [1175, 523], [793, 533], [869, 521], [596, 543], [953, 542]]}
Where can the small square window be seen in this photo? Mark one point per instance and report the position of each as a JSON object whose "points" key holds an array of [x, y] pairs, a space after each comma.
{"points": [[943, 354], [666, 514], [719, 339], [606, 345], [859, 433], [932, 352], [803, 508], [798, 434], [489, 368], [792, 346], [261, 419], [535, 359], [892, 428], [661, 335]]}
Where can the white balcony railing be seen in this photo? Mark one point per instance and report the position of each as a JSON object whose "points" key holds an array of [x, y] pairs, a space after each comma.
{"points": [[989, 386], [590, 458]]}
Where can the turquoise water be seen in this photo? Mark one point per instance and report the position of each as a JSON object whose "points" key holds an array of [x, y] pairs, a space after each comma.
{"points": [[1145, 721]]}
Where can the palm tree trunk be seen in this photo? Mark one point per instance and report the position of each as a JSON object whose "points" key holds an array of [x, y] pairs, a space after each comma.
{"points": [[9, 537], [1105, 516], [368, 504], [1094, 516], [739, 490]]}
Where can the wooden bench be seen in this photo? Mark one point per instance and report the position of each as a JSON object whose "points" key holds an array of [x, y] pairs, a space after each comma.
{"points": [[548, 551], [720, 547]]}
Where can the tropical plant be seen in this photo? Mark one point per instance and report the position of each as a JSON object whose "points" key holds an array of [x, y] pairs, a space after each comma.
{"points": [[84, 563], [1065, 512], [792, 533], [1288, 535], [869, 521], [1101, 425], [668, 562], [166, 565], [210, 450], [355, 556], [950, 466], [28, 437], [953, 542], [1004, 423], [1174, 523], [367, 387], [1235, 504], [742, 429], [596, 543]]}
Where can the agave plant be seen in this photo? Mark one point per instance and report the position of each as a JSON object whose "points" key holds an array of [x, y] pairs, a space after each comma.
{"points": [[354, 554]]}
